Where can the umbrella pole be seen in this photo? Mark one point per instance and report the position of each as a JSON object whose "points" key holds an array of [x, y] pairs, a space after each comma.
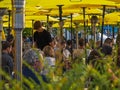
{"points": [[87, 30], [85, 33], [113, 32], [32, 33], [1, 28], [76, 39], [91, 32], [108, 31], [71, 37], [84, 25], [9, 13], [47, 22], [66, 34], [103, 16], [60, 21]]}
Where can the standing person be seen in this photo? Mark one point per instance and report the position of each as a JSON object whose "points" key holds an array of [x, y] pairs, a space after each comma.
{"points": [[7, 61], [41, 36]]}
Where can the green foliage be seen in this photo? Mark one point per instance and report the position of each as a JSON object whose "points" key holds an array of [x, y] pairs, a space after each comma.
{"points": [[27, 32], [103, 75]]}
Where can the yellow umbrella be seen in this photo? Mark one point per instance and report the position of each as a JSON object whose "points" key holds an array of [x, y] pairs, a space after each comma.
{"points": [[28, 24], [78, 18], [56, 12], [3, 36], [6, 4], [56, 25], [94, 11], [110, 22], [112, 17], [93, 4], [68, 11], [118, 1], [5, 24], [5, 18], [50, 6], [42, 18], [12, 32], [66, 25], [39, 4], [82, 3]]}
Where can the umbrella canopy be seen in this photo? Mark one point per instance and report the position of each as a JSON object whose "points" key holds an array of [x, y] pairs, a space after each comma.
{"points": [[118, 1], [3, 35], [51, 4], [42, 18], [28, 24], [93, 4], [68, 11], [55, 12], [6, 4], [82, 3], [110, 23], [66, 25], [112, 17], [91, 11], [5, 24], [78, 18]]}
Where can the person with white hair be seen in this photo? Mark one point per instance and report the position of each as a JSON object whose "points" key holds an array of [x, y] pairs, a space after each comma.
{"points": [[32, 60]]}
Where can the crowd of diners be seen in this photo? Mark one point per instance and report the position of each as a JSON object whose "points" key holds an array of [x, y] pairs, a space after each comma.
{"points": [[48, 53]]}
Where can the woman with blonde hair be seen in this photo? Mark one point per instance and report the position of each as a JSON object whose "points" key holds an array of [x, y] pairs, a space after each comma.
{"points": [[49, 55]]}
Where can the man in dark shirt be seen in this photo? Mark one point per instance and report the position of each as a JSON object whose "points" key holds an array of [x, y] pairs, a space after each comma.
{"points": [[7, 61], [41, 36]]}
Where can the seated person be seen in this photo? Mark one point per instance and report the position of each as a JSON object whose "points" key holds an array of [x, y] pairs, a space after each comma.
{"points": [[107, 47], [78, 53], [32, 60], [7, 61]]}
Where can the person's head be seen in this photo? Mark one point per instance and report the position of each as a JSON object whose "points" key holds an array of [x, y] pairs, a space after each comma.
{"points": [[33, 57], [63, 44], [94, 55], [37, 25], [108, 42], [48, 51], [10, 38], [24, 38], [69, 42], [6, 46], [98, 44], [81, 42], [119, 31], [53, 43]]}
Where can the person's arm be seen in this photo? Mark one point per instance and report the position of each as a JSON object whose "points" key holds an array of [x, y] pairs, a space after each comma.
{"points": [[49, 38], [10, 64], [35, 40]]}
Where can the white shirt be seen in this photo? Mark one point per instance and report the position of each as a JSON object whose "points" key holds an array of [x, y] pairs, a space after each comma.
{"points": [[66, 53], [50, 61]]}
